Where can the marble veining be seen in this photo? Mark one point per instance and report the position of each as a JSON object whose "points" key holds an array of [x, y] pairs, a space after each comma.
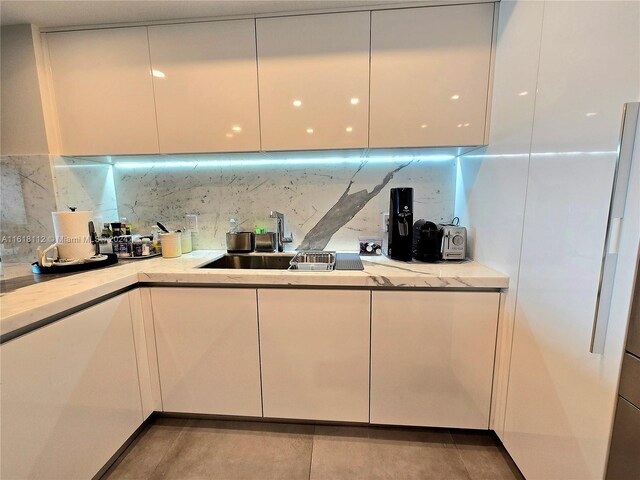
{"points": [[324, 206], [28, 198], [87, 185], [347, 206], [41, 300]]}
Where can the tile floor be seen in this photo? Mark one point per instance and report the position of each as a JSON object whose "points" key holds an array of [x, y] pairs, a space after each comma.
{"points": [[181, 449]]}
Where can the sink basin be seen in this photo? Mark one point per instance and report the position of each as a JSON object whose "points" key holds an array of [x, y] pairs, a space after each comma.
{"points": [[267, 261]]}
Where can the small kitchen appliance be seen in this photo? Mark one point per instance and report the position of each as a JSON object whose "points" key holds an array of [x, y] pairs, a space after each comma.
{"points": [[400, 244], [454, 242], [427, 241], [439, 242]]}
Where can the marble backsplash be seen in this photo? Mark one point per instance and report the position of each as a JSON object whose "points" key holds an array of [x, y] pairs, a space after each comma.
{"points": [[27, 198], [33, 186], [326, 205]]}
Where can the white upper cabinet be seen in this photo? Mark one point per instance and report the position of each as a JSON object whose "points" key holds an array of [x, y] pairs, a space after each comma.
{"points": [[314, 81], [206, 86], [103, 91], [430, 74]]}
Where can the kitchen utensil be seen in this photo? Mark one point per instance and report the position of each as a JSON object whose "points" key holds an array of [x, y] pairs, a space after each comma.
{"points": [[171, 244], [266, 242], [94, 238], [162, 227], [186, 241], [73, 240], [240, 242], [68, 267], [348, 261], [312, 260]]}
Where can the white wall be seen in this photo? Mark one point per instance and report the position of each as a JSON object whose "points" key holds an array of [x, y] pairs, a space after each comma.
{"points": [[549, 199], [23, 126]]}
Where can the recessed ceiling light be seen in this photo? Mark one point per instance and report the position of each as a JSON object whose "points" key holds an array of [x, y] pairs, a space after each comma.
{"points": [[158, 74], [467, 124], [355, 101], [455, 97], [297, 103], [236, 128], [349, 129], [229, 135], [591, 114], [309, 130], [459, 125], [522, 94], [424, 125]]}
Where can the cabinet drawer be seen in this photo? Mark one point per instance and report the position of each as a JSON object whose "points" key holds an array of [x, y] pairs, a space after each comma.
{"points": [[630, 379]]}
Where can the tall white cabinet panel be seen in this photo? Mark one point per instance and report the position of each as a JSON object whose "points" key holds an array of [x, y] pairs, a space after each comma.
{"points": [[70, 395], [103, 91], [206, 86], [315, 354], [430, 75], [207, 343], [314, 81], [561, 398], [432, 358]]}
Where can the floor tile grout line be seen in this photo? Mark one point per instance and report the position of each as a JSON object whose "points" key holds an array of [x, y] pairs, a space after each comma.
{"points": [[166, 452], [313, 441], [462, 462]]}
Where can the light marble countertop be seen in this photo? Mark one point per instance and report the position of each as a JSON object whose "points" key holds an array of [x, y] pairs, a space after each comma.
{"points": [[29, 304]]}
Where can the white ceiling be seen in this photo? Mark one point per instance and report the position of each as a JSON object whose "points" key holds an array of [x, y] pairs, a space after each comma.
{"points": [[64, 13]]}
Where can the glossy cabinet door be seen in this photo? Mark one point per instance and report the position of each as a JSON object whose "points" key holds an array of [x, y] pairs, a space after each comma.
{"points": [[314, 347], [432, 358], [430, 71], [103, 91], [314, 81], [207, 344], [70, 394], [561, 397], [206, 86]]}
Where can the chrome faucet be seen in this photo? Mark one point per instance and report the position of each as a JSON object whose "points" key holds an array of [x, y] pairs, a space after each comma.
{"points": [[280, 230]]}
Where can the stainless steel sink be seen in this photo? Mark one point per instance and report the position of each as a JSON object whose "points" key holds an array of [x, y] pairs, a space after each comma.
{"points": [[267, 261]]}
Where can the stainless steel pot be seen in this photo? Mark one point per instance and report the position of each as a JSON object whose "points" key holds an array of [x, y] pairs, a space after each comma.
{"points": [[240, 242]]}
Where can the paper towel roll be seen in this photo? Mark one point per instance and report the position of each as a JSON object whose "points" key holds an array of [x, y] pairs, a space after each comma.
{"points": [[72, 234]]}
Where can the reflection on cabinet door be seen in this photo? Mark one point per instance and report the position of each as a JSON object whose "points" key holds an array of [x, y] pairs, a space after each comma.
{"points": [[432, 358], [430, 75], [206, 86], [315, 354], [314, 81], [103, 91], [70, 394], [207, 342]]}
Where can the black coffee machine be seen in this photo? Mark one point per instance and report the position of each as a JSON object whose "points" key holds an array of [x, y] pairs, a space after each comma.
{"points": [[401, 224], [427, 241]]}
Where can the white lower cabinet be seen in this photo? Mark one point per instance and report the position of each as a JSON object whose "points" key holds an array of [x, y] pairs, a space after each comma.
{"points": [[432, 358], [208, 354], [315, 353], [70, 395]]}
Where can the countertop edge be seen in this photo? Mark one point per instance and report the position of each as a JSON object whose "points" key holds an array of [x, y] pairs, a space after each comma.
{"points": [[378, 275]]}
